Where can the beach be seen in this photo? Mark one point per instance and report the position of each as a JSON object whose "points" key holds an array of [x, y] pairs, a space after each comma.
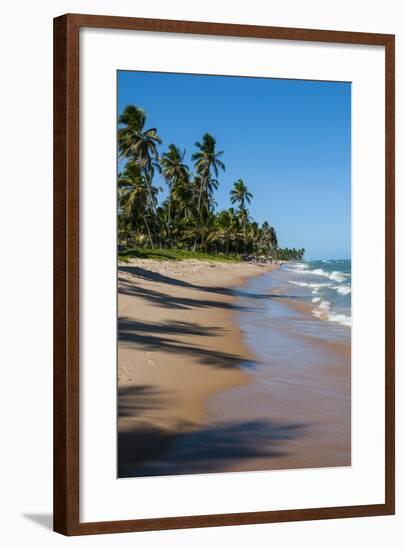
{"points": [[208, 381]]}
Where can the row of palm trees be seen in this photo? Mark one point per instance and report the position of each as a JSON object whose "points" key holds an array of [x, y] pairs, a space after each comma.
{"points": [[187, 218]]}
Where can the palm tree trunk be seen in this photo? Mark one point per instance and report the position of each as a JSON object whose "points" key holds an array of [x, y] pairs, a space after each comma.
{"points": [[159, 237], [195, 240], [169, 219], [149, 233], [198, 214]]}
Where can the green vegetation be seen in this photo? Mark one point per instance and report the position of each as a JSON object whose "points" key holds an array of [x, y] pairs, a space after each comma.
{"points": [[173, 254], [186, 224]]}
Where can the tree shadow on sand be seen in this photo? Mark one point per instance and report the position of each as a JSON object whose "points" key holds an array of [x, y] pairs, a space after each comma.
{"points": [[134, 401], [159, 337], [149, 275], [169, 301], [147, 451]]}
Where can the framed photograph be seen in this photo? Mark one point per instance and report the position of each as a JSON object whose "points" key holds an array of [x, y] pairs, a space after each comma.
{"points": [[223, 274]]}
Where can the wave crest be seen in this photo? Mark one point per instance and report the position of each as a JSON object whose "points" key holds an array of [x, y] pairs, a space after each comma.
{"points": [[324, 313]]}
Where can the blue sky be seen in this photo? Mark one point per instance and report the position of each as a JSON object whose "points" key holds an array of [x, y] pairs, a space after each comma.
{"points": [[289, 140]]}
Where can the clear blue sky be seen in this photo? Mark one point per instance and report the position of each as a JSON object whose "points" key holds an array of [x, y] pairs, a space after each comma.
{"points": [[289, 140]]}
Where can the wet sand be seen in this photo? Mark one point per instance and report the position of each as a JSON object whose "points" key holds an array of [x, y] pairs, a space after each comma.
{"points": [[300, 395], [214, 378]]}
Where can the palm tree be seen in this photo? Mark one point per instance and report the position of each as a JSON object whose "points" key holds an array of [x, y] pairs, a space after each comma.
{"points": [[207, 230], [183, 195], [254, 234], [228, 227], [174, 172], [273, 239], [243, 215], [134, 197], [241, 195], [138, 144], [269, 238], [207, 164], [124, 230], [134, 141]]}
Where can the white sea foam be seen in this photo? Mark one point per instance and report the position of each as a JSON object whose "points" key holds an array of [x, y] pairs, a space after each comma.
{"points": [[343, 289], [320, 272], [340, 318], [309, 278], [298, 283], [337, 276], [298, 268], [324, 312], [310, 285]]}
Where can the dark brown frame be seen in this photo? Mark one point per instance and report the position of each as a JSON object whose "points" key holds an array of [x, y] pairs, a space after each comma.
{"points": [[66, 273]]}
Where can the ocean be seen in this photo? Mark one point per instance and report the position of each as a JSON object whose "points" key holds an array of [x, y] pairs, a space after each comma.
{"points": [[297, 313], [325, 284]]}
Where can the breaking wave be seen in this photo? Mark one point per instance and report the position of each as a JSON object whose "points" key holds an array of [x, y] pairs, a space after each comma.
{"points": [[323, 311], [327, 285]]}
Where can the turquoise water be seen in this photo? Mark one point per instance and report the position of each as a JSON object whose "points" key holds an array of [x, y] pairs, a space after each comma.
{"points": [[325, 284], [272, 316]]}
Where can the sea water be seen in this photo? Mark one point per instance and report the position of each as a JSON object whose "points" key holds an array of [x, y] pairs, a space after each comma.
{"points": [[296, 322], [299, 304], [325, 284]]}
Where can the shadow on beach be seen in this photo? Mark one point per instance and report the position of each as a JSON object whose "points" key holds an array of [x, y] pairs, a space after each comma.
{"points": [[149, 451], [150, 275], [184, 447], [146, 450], [170, 301], [159, 337]]}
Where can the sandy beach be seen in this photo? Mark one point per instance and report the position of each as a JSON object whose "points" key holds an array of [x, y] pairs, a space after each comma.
{"points": [[178, 343], [190, 397]]}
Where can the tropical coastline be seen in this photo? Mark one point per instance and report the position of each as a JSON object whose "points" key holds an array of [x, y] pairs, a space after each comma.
{"points": [[208, 382], [179, 262], [234, 341]]}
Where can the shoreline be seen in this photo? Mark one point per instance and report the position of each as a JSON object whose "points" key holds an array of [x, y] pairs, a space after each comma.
{"points": [[296, 413], [216, 375], [176, 324]]}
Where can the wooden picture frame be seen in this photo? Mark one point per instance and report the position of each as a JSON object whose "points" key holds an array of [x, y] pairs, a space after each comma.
{"points": [[66, 273]]}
